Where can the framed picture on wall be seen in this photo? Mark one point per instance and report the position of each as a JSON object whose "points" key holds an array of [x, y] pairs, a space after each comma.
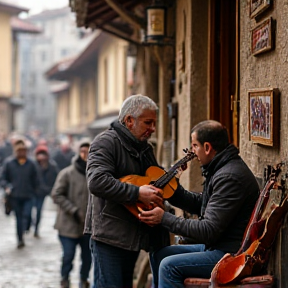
{"points": [[258, 6], [261, 37], [264, 116]]}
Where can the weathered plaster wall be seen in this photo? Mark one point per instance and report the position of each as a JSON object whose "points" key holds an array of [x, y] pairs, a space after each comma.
{"points": [[266, 70], [191, 81]]}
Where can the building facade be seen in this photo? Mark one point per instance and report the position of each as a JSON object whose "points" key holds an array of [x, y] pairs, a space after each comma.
{"points": [[94, 85], [59, 39], [223, 60], [11, 97]]}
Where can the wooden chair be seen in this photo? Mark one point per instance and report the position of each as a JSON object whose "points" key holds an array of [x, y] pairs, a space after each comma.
{"points": [[263, 281]]}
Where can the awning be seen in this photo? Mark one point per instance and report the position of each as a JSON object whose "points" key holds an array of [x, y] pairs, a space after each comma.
{"points": [[101, 124], [16, 101]]}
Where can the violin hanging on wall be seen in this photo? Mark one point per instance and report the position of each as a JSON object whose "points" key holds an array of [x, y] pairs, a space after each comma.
{"points": [[266, 219], [159, 178]]}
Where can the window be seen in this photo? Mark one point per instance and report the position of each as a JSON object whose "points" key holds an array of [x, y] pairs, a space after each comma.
{"points": [[43, 56], [64, 52]]}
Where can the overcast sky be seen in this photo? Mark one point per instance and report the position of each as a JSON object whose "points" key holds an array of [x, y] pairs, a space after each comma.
{"points": [[36, 6]]}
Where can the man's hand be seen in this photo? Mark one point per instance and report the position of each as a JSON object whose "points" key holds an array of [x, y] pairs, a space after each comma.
{"points": [[151, 196], [79, 217], [152, 217]]}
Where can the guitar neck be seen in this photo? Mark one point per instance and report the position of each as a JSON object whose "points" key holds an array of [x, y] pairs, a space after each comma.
{"points": [[172, 172]]}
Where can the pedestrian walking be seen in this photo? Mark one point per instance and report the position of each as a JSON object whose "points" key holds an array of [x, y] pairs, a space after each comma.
{"points": [[70, 193], [117, 236], [63, 155], [20, 180], [47, 171]]}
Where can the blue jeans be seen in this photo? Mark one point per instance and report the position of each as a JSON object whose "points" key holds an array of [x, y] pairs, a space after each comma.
{"points": [[38, 204], [171, 265], [113, 266], [22, 208], [69, 248], [94, 261]]}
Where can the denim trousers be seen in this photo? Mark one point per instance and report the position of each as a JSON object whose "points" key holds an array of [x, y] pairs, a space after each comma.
{"points": [[22, 208], [38, 204], [171, 265], [69, 246], [113, 266]]}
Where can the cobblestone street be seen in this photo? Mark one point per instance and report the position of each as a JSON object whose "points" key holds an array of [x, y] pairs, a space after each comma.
{"points": [[37, 265]]}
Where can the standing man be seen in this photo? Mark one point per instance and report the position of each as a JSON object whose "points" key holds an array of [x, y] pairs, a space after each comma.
{"points": [[70, 193], [117, 235], [229, 195], [20, 180]]}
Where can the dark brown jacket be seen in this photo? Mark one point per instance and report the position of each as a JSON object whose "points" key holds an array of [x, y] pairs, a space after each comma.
{"points": [[70, 193]]}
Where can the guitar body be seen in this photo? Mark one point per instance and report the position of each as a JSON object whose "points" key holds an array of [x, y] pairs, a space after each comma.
{"points": [[153, 173]]}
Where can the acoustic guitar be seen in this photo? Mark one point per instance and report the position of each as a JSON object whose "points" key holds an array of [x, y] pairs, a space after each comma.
{"points": [[159, 178]]}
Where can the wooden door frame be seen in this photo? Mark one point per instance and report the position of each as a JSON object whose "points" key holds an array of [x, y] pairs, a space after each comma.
{"points": [[223, 89]]}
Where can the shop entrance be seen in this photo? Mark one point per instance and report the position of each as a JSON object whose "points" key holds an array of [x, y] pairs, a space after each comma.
{"points": [[223, 64]]}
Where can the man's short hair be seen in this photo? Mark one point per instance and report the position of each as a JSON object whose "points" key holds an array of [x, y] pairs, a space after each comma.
{"points": [[19, 144], [134, 105], [213, 132]]}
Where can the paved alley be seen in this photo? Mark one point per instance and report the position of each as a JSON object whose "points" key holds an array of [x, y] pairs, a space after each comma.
{"points": [[37, 265]]}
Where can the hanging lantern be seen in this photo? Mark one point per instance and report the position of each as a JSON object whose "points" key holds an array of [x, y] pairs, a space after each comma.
{"points": [[156, 23]]}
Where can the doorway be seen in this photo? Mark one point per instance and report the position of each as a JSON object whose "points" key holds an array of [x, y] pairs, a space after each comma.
{"points": [[223, 65]]}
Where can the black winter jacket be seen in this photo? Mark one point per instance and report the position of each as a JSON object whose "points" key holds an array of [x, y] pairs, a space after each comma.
{"points": [[47, 178], [225, 206], [115, 154], [22, 179]]}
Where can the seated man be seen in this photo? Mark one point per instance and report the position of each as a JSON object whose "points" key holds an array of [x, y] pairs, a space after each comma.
{"points": [[229, 195]]}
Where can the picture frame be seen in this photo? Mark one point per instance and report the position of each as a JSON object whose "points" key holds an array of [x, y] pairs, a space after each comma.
{"points": [[264, 116], [261, 37], [256, 7]]}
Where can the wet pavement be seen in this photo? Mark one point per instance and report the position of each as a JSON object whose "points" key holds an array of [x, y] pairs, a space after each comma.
{"points": [[37, 265]]}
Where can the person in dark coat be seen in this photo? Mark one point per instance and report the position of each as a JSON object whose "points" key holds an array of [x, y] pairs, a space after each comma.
{"points": [[70, 193], [20, 181], [224, 207], [63, 155], [117, 235], [47, 171]]}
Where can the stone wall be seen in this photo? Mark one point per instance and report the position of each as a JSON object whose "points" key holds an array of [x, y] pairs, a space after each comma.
{"points": [[268, 69], [191, 78]]}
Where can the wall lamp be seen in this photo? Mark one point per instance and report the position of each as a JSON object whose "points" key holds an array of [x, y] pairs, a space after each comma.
{"points": [[156, 16]]}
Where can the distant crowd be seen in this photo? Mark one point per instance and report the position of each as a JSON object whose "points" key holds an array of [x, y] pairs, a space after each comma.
{"points": [[33, 168]]}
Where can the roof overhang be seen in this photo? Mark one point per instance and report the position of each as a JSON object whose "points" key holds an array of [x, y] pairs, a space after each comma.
{"points": [[64, 69], [122, 18], [12, 9], [21, 26], [60, 87]]}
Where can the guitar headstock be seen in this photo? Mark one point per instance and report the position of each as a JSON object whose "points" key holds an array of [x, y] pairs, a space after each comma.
{"points": [[189, 154]]}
